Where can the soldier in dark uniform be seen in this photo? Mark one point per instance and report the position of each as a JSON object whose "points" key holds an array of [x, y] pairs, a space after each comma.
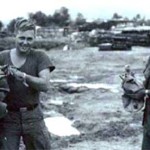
{"points": [[4, 89], [146, 117], [138, 95], [27, 75]]}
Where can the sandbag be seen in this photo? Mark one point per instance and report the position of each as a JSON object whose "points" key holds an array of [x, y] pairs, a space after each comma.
{"points": [[133, 92]]}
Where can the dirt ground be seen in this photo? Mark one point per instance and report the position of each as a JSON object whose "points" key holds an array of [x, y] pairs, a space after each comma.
{"points": [[97, 113]]}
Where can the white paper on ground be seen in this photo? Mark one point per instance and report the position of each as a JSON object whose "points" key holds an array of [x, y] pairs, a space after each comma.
{"points": [[56, 102], [60, 126]]}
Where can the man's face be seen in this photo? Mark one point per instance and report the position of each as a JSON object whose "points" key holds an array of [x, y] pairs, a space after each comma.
{"points": [[24, 40]]}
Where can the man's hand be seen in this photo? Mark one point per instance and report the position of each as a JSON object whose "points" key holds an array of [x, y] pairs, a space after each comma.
{"points": [[16, 73]]}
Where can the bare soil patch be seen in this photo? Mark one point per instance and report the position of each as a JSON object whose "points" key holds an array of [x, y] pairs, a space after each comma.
{"points": [[97, 113]]}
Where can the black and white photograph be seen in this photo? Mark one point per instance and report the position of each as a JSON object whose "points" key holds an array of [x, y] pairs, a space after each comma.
{"points": [[75, 75]]}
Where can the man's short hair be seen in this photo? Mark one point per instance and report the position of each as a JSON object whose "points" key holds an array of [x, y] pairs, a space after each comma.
{"points": [[23, 24]]}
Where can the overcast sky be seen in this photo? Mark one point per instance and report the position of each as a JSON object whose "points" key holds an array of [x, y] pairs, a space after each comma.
{"points": [[91, 9]]}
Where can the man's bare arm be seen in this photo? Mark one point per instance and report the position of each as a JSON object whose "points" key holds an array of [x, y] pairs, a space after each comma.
{"points": [[39, 83]]}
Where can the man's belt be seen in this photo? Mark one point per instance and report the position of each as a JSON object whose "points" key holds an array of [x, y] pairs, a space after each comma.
{"points": [[22, 109]]}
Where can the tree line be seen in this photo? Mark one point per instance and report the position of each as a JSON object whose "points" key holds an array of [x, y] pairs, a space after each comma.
{"points": [[62, 18]]}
